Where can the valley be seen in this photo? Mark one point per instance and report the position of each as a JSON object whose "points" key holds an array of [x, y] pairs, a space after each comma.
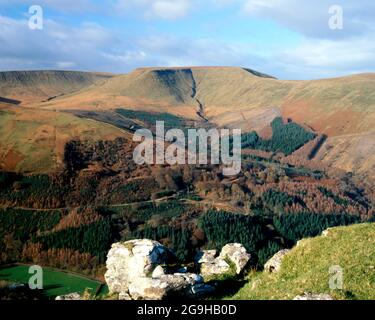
{"points": [[69, 186]]}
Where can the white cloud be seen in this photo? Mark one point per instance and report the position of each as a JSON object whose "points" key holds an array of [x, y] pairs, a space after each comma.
{"points": [[170, 9], [159, 9], [258, 6], [311, 18], [127, 56], [65, 64], [174, 51], [93, 47], [56, 46], [90, 46], [316, 58]]}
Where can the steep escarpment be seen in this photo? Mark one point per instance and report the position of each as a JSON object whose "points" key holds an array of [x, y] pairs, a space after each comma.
{"points": [[34, 86]]}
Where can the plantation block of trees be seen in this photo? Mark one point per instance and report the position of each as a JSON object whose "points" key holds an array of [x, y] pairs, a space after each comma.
{"points": [[286, 138], [329, 194], [274, 198], [22, 224], [170, 120], [26, 190], [179, 238], [222, 228], [95, 238], [294, 227]]}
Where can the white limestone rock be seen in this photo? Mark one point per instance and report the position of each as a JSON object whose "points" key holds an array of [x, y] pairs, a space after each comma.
{"points": [[234, 253], [170, 285], [75, 296], [213, 269], [326, 232], [206, 256], [133, 259], [314, 296], [274, 264], [138, 270], [158, 272], [237, 254]]}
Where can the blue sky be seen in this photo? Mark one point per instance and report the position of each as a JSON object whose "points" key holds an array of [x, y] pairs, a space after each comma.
{"points": [[289, 39]]}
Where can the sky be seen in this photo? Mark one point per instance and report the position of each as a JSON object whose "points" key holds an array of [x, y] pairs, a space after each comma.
{"points": [[288, 39]]}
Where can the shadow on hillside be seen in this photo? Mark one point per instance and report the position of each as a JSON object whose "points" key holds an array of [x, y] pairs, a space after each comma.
{"points": [[227, 287], [10, 101]]}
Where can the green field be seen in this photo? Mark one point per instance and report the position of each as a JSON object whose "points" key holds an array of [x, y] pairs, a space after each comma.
{"points": [[55, 282]]}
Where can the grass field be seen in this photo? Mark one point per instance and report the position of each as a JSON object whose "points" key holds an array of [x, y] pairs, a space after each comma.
{"points": [[55, 282], [306, 268]]}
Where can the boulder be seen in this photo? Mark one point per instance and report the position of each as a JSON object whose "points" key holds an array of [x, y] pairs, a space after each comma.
{"points": [[213, 269], [71, 296], [134, 259], [233, 253], [158, 272], [236, 253], [205, 256], [170, 285], [138, 270], [274, 264], [313, 296], [326, 232]]}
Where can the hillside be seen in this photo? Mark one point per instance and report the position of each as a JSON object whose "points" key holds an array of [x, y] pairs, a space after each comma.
{"points": [[34, 140], [69, 185], [169, 88], [306, 267], [36, 86], [332, 106], [341, 108]]}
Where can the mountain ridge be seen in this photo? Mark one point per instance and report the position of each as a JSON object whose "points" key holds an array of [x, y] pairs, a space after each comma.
{"points": [[341, 108], [40, 85]]}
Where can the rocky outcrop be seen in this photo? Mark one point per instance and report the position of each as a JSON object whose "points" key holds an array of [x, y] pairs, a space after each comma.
{"points": [[132, 260], [233, 254], [138, 270], [326, 232], [165, 286], [274, 264], [314, 296], [214, 269], [158, 272], [205, 256], [70, 296]]}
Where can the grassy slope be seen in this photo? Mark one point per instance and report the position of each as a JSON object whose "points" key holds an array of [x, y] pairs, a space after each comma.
{"points": [[306, 268], [34, 86], [234, 97], [55, 282], [343, 108], [333, 106], [33, 141]]}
